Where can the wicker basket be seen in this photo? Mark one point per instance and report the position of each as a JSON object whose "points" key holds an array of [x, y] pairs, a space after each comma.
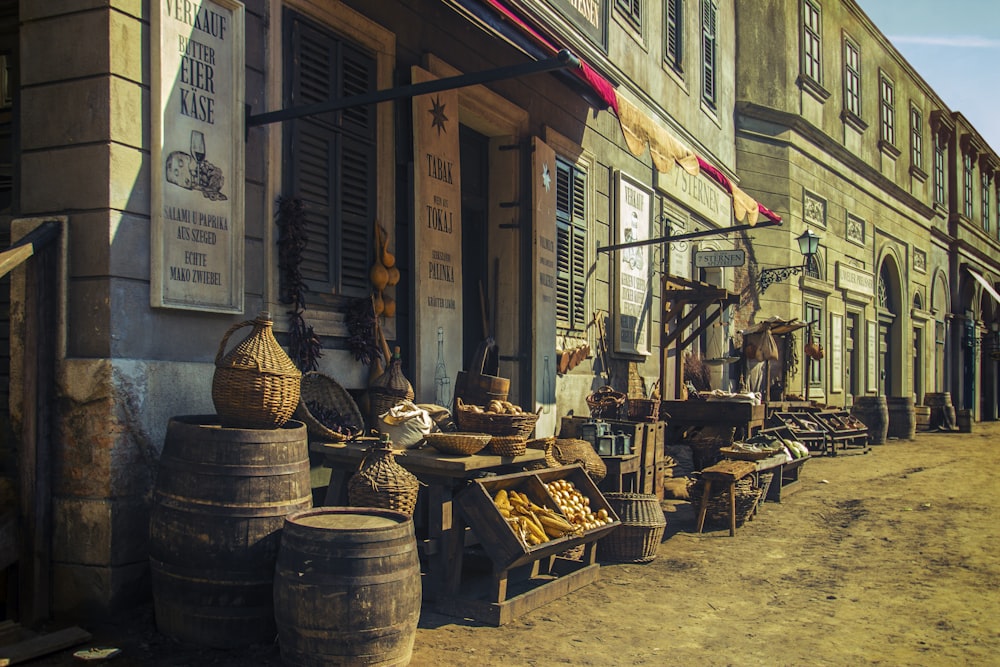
{"points": [[324, 405], [638, 537], [717, 510], [508, 445], [381, 482], [255, 384], [494, 423], [460, 444], [606, 403], [540, 443], [564, 451]]}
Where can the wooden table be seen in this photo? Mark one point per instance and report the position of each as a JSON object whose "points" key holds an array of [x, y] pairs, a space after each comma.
{"points": [[786, 475], [725, 472], [443, 546]]}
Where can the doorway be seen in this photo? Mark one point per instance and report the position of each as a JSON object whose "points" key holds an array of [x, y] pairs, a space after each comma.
{"points": [[478, 293], [853, 358]]}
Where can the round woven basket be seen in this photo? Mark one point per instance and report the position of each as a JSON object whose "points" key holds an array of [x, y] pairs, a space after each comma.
{"points": [[508, 445], [638, 537], [256, 384], [567, 451], [606, 403], [324, 405], [459, 444], [494, 423]]}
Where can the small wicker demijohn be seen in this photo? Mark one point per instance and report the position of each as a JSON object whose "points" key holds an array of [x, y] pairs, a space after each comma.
{"points": [[381, 482], [388, 389], [256, 385]]}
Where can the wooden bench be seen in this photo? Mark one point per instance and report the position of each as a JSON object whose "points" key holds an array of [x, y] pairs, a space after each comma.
{"points": [[724, 472]]}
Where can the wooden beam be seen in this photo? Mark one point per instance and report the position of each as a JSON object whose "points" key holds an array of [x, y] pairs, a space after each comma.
{"points": [[37, 238]]}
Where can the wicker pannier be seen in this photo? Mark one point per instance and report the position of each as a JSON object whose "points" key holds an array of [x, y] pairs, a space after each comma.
{"points": [[327, 409], [606, 403], [255, 385], [564, 451]]}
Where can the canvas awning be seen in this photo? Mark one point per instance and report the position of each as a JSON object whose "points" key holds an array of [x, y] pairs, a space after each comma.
{"points": [[979, 278]]}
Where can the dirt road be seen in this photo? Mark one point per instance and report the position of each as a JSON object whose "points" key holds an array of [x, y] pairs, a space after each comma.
{"points": [[887, 558]]}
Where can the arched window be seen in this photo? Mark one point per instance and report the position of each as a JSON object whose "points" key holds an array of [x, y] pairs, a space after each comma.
{"points": [[884, 300]]}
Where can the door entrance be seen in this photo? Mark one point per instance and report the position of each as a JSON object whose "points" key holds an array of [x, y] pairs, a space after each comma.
{"points": [[477, 287]]}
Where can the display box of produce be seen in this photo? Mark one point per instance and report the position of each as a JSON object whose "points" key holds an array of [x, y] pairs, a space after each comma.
{"points": [[563, 505]]}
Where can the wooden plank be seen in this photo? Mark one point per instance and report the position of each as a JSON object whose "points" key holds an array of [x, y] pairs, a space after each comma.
{"points": [[42, 645]]}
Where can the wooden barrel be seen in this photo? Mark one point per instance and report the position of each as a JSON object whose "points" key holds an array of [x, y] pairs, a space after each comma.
{"points": [[902, 418], [873, 413], [219, 504], [347, 587], [638, 537], [963, 419], [942, 411]]}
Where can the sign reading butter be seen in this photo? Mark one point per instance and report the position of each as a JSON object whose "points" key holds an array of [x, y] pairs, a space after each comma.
{"points": [[633, 294], [437, 239], [855, 280], [705, 259], [197, 155]]}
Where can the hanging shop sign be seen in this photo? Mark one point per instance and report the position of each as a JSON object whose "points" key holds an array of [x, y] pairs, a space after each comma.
{"points": [[633, 295], [709, 259], [197, 155], [437, 241], [543, 302], [589, 16]]}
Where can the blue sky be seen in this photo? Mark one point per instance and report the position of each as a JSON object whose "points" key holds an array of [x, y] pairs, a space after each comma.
{"points": [[955, 47]]}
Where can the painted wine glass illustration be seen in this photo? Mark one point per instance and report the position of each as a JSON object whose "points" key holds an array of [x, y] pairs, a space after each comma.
{"points": [[198, 146]]}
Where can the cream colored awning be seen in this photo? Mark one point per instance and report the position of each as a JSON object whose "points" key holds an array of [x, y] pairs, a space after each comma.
{"points": [[985, 283]]}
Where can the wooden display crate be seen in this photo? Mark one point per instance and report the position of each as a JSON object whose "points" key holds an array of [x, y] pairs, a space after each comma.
{"points": [[498, 539]]}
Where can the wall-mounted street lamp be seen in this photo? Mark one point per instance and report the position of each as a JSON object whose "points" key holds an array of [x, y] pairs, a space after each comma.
{"points": [[808, 245]]}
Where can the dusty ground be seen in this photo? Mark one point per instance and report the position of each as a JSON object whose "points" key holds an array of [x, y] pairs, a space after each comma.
{"points": [[888, 558]]}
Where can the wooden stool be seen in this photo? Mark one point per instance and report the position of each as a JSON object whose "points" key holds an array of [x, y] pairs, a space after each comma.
{"points": [[724, 471]]}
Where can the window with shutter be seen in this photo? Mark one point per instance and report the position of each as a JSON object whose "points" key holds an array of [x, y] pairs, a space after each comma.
{"points": [[673, 33], [571, 246], [632, 11], [330, 159], [709, 17]]}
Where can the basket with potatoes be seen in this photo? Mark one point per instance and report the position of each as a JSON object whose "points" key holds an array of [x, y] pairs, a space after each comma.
{"points": [[495, 418]]}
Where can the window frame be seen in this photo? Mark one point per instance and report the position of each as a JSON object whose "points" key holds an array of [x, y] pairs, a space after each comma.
{"points": [[709, 53], [986, 182], [572, 237], [631, 12], [852, 78], [916, 138], [887, 109], [673, 27], [816, 375], [968, 194], [940, 186], [811, 52]]}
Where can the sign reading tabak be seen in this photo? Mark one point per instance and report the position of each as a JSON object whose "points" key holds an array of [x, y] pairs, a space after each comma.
{"points": [[197, 155]]}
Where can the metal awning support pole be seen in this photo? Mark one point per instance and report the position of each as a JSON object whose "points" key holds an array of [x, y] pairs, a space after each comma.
{"points": [[689, 235], [563, 60]]}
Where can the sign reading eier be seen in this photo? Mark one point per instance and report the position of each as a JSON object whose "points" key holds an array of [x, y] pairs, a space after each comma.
{"points": [[197, 155], [633, 298]]}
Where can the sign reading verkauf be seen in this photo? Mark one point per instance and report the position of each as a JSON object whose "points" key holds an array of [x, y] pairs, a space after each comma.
{"points": [[197, 155], [706, 259]]}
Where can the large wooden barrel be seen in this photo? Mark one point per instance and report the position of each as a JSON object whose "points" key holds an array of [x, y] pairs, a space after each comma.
{"points": [[963, 420], [347, 587], [874, 413], [219, 504], [902, 417], [942, 411]]}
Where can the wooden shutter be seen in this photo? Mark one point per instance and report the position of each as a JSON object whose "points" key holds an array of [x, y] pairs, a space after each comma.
{"points": [[571, 246], [673, 43], [708, 27], [330, 160]]}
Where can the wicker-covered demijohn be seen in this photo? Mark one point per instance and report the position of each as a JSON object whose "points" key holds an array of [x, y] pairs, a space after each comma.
{"points": [[567, 451], [638, 537], [327, 409], [458, 443], [256, 384], [389, 389], [508, 445], [381, 482]]}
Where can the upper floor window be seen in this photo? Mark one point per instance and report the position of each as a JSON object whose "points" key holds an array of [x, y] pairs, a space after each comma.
{"points": [[852, 78], [571, 246], [329, 161], [673, 32], [811, 42], [985, 177], [967, 171], [632, 11], [916, 138], [938, 170], [709, 30], [887, 111]]}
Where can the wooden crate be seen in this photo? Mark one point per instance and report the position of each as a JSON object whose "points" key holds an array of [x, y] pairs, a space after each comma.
{"points": [[635, 430], [475, 503], [572, 427]]}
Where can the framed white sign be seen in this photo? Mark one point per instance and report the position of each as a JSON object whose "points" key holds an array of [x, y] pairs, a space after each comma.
{"points": [[871, 353], [836, 353], [632, 284], [198, 153]]}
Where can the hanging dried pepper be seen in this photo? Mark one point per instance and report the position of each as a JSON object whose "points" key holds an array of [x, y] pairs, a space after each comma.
{"points": [[305, 347], [361, 328]]}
